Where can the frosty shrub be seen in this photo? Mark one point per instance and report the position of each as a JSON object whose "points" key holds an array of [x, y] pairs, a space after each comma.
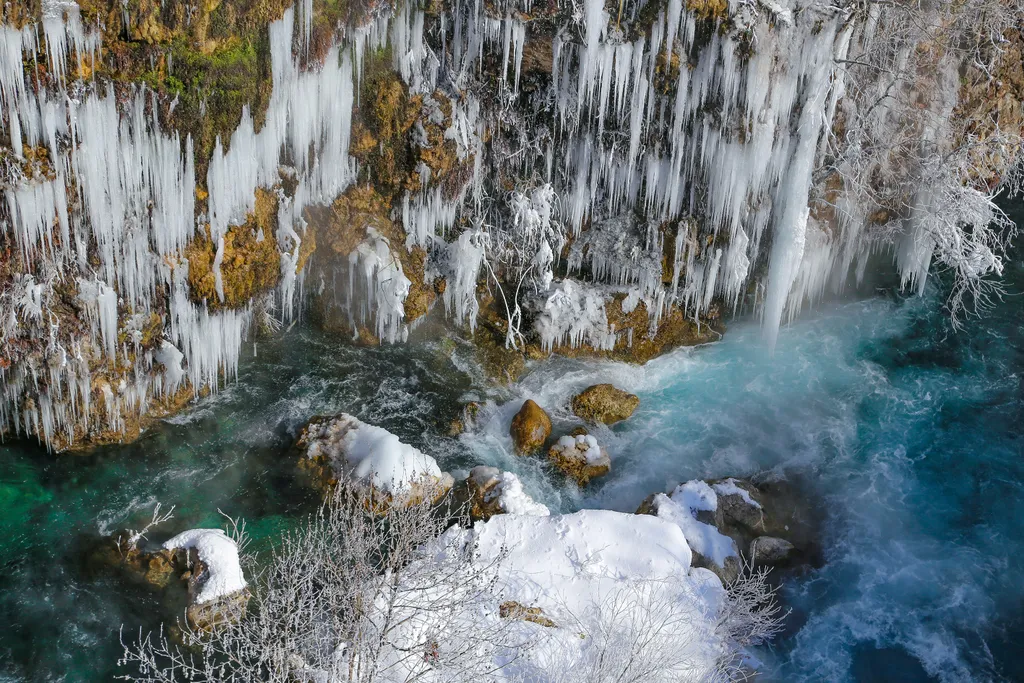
{"points": [[357, 598], [921, 175]]}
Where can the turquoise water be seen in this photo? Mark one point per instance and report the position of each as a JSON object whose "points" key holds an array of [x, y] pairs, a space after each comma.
{"points": [[908, 436]]}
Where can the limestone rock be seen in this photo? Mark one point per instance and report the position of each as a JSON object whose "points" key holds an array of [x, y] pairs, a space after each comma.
{"points": [[580, 457], [530, 428], [604, 403]]}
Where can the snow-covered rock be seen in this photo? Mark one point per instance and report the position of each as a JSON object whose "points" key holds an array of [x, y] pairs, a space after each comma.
{"points": [[768, 524], [221, 573], [372, 457], [487, 491], [580, 457], [691, 507], [216, 584]]}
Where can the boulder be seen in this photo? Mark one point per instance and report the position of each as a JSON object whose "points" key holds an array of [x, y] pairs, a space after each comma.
{"points": [[604, 403], [530, 428], [217, 590], [374, 461], [769, 550], [580, 457], [203, 561]]}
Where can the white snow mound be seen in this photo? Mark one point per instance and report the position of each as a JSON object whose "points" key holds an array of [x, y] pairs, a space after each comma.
{"points": [[598, 575], [513, 499], [220, 555]]}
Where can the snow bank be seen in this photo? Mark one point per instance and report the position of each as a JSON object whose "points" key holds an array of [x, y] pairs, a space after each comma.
{"points": [[220, 555], [372, 454], [681, 508], [599, 579]]}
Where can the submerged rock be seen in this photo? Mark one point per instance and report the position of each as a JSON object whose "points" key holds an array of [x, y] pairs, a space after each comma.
{"points": [[580, 457], [388, 471], [155, 567], [604, 403], [530, 428]]}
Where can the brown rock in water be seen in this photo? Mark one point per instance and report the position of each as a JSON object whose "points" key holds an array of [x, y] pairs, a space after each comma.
{"points": [[157, 568], [581, 458], [604, 403], [465, 420], [530, 428]]}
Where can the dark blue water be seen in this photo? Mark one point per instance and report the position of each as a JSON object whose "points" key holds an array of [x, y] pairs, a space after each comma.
{"points": [[908, 435]]}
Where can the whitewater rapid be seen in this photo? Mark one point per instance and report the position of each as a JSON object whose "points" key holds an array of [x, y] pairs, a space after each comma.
{"points": [[902, 433]]}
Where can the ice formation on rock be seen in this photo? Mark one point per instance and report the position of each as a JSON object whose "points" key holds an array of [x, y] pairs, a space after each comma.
{"points": [[666, 156]]}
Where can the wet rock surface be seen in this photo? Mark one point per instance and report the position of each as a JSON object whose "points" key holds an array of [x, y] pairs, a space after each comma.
{"points": [[530, 428], [580, 458]]}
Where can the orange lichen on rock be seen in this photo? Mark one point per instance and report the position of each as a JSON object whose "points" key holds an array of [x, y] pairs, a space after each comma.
{"points": [[251, 264]]}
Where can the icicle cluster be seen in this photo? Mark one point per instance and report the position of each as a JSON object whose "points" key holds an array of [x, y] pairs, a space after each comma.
{"points": [[117, 212], [673, 163]]}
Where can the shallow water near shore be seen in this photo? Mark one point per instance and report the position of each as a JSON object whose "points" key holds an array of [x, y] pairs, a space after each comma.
{"points": [[908, 435]]}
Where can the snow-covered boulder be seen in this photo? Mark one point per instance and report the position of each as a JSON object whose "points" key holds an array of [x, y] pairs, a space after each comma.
{"points": [[487, 491], [580, 457], [390, 471], [691, 507], [723, 519], [216, 584], [604, 403], [581, 588], [530, 428]]}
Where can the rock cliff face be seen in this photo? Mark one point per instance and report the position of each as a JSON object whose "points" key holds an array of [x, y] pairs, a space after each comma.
{"points": [[604, 179]]}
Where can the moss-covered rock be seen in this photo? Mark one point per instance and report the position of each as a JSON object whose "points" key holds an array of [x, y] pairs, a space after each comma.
{"points": [[604, 403]]}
